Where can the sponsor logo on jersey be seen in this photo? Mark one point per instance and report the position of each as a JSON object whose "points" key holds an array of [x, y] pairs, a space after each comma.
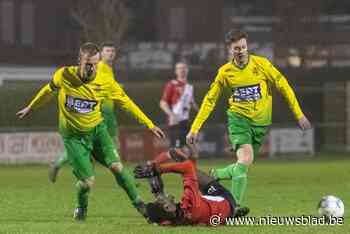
{"points": [[247, 93], [80, 105]]}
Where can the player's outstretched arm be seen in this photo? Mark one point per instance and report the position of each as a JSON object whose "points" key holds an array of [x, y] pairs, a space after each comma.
{"points": [[149, 170], [207, 107], [287, 92], [43, 97], [187, 168]]}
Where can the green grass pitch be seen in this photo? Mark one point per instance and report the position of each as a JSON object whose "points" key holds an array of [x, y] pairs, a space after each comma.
{"points": [[29, 204]]}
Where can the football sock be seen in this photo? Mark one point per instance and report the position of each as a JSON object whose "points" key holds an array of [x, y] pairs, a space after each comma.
{"points": [[61, 160], [239, 181], [83, 195], [224, 173], [127, 182]]}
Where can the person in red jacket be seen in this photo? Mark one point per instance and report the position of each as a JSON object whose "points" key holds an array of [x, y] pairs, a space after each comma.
{"points": [[203, 197]]}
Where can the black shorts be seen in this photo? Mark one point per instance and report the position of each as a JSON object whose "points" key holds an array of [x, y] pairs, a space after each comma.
{"points": [[214, 188], [177, 134]]}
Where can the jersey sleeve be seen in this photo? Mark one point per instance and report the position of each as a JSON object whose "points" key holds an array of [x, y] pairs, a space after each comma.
{"points": [[282, 85], [47, 92], [56, 80], [208, 103], [118, 95], [191, 197]]}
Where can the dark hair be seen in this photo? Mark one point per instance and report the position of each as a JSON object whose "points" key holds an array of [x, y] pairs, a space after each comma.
{"points": [[235, 35], [88, 48], [107, 44], [156, 212]]}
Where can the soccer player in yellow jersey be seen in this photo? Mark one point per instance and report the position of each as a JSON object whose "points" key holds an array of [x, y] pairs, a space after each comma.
{"points": [[249, 79], [108, 54], [81, 89]]}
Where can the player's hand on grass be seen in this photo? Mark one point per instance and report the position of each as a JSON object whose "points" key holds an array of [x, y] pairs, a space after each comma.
{"points": [[191, 138], [304, 123], [24, 112], [158, 132]]}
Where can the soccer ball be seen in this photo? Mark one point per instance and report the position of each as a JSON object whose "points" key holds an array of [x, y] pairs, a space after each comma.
{"points": [[331, 206]]}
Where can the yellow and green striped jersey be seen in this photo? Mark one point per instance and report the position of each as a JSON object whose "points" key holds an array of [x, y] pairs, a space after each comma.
{"points": [[80, 103], [250, 92]]}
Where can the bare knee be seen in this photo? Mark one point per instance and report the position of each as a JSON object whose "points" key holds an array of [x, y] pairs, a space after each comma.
{"points": [[116, 167], [245, 154]]}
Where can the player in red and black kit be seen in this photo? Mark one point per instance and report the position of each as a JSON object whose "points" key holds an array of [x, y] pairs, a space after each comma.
{"points": [[176, 102], [202, 198]]}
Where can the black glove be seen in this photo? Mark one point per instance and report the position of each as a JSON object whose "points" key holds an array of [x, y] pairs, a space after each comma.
{"points": [[145, 171], [157, 186]]}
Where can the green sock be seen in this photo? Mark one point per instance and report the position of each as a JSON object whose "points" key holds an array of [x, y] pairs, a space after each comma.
{"points": [[127, 182], [224, 173], [61, 160], [83, 196], [239, 181]]}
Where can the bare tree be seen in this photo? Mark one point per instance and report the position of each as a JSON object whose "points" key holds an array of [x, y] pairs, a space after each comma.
{"points": [[102, 20]]}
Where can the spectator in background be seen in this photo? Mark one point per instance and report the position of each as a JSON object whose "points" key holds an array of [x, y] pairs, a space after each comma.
{"points": [[176, 102]]}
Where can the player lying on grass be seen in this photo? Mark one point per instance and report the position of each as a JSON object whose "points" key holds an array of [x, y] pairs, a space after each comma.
{"points": [[202, 198]]}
